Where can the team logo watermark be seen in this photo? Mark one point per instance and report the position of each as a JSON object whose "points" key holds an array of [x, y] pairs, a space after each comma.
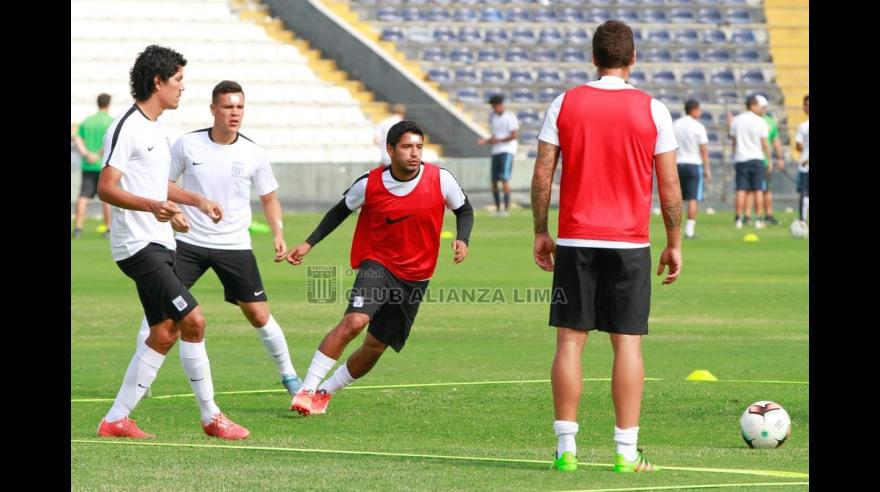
{"points": [[322, 284]]}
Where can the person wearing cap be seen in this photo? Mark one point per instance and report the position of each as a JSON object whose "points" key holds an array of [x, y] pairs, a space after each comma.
{"points": [[504, 127], [748, 135], [692, 153], [776, 142]]}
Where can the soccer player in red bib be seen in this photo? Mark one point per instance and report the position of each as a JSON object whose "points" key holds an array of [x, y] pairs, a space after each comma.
{"points": [[395, 249]]}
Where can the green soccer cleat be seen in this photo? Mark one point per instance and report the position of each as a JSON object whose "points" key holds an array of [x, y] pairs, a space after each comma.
{"points": [[568, 462], [640, 465]]}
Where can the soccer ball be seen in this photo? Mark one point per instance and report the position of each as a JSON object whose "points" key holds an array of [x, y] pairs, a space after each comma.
{"points": [[765, 425], [799, 229]]}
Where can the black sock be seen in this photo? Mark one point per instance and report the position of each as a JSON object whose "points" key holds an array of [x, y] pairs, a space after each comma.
{"points": [[497, 200], [507, 201]]}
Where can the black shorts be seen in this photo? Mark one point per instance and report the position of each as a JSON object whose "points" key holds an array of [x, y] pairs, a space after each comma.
{"points": [[390, 302], [89, 186], [605, 289], [689, 176], [803, 183], [236, 269], [750, 175], [161, 291], [502, 166]]}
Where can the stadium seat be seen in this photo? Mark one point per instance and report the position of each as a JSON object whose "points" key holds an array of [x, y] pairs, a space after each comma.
{"points": [[659, 55], [493, 76], [747, 55], [714, 36], [434, 54], [753, 77], [468, 95], [598, 15], [682, 16], [571, 15], [659, 36], [723, 77], [744, 36], [710, 16], [548, 94], [637, 77], [392, 33], [491, 14], [577, 36], [687, 55], [663, 77], [545, 15], [495, 36], [687, 36], [545, 55], [717, 55], [488, 55], [468, 35], [440, 75], [573, 55], [466, 76], [630, 16], [518, 14], [695, 76], [516, 54], [549, 76], [443, 35], [654, 16], [523, 35], [739, 16], [464, 14], [577, 76], [550, 36], [522, 95], [520, 76]]}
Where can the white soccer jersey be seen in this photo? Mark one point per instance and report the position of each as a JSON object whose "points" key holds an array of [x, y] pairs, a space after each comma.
{"points": [[449, 187], [803, 138], [139, 148], [502, 125], [223, 174], [690, 133], [748, 129]]}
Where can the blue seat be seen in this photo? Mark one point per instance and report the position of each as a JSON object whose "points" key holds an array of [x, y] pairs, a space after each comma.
{"points": [[495, 36], [488, 54], [523, 35], [697, 95], [516, 54], [706, 118], [545, 15], [637, 77], [676, 114], [713, 138], [437, 14], [577, 76], [718, 55], [695, 76], [545, 55], [464, 14], [443, 35], [440, 75], [491, 14], [518, 14], [659, 55], [683, 2], [668, 97], [520, 76], [739, 16], [577, 36], [569, 14], [682, 16], [466, 76], [493, 76], [654, 16], [663, 77], [726, 96], [461, 54], [388, 14], [522, 95], [547, 94], [687, 55], [687, 36], [753, 77], [573, 55], [744, 36], [716, 156], [412, 14], [723, 77], [549, 76], [528, 117], [492, 91], [434, 54], [392, 33], [747, 55], [659, 36], [637, 36], [529, 136], [710, 15], [468, 35], [550, 35], [598, 15], [714, 36], [468, 95], [627, 15]]}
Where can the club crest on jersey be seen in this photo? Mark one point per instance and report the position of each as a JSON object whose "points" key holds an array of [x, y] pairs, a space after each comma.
{"points": [[238, 169]]}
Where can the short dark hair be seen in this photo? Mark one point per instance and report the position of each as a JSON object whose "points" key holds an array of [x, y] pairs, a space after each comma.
{"points": [[806, 98], [154, 60], [103, 100], [690, 105], [496, 99], [613, 45], [753, 99], [401, 127], [225, 87]]}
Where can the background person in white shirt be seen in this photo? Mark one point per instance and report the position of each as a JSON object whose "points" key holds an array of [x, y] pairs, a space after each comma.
{"points": [[222, 163], [504, 127], [748, 134], [693, 160], [802, 144]]}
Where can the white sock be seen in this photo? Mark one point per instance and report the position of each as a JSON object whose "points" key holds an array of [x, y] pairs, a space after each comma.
{"points": [[340, 379], [626, 440], [565, 431], [197, 367], [139, 376], [689, 227], [276, 346], [143, 333], [321, 365]]}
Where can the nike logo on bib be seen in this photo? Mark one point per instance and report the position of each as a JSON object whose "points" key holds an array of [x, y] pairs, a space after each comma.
{"points": [[150, 148], [197, 163], [390, 221]]}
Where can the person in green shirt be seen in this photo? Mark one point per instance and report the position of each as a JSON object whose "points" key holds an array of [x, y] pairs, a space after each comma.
{"points": [[89, 141], [776, 143]]}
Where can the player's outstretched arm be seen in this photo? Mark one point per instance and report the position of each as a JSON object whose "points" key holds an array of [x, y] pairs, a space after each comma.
{"points": [[464, 223], [186, 197], [329, 223]]}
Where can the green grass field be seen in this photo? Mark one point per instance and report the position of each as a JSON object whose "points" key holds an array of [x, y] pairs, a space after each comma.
{"points": [[739, 310]]}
